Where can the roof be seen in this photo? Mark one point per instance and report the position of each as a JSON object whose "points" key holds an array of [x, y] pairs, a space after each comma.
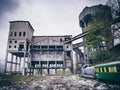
{"points": [[89, 10], [111, 63], [23, 22], [54, 36]]}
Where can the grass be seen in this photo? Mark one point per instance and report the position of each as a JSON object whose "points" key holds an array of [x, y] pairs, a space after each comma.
{"points": [[7, 80]]}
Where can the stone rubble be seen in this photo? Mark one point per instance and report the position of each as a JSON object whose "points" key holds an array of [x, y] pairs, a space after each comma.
{"points": [[74, 82]]}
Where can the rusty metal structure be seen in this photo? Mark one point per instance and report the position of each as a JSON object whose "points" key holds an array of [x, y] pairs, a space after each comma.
{"points": [[26, 53]]}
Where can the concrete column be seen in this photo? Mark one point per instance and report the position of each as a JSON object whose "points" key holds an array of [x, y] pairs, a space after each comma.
{"points": [[56, 71], [40, 72], [16, 63], [6, 58], [11, 62], [32, 71], [41, 68], [23, 71], [63, 71], [56, 67], [48, 71], [19, 63], [64, 60]]}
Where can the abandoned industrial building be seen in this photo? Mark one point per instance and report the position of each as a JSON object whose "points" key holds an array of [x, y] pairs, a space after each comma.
{"points": [[26, 53]]}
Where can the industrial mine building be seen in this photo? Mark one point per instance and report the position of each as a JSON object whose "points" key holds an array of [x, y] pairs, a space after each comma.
{"points": [[26, 53]]}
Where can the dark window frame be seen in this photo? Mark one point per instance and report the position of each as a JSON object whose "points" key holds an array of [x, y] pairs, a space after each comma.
{"points": [[10, 41], [24, 34], [15, 33], [15, 46], [15, 41], [20, 33], [10, 46], [11, 33]]}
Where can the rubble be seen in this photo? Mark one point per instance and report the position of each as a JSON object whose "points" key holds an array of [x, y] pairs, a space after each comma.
{"points": [[73, 82]]}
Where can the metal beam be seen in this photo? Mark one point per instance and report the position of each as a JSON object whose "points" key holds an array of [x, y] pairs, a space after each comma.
{"points": [[76, 37], [78, 45]]}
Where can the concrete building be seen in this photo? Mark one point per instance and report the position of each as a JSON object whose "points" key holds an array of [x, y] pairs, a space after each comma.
{"points": [[36, 52]]}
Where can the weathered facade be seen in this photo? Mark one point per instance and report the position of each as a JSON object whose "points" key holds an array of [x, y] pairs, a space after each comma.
{"points": [[36, 52]]}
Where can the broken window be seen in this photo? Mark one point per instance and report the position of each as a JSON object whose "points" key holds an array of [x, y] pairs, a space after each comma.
{"points": [[10, 41], [15, 33], [20, 33], [24, 33], [10, 46], [15, 46], [11, 33], [21, 46], [67, 47], [68, 53], [61, 40], [15, 41]]}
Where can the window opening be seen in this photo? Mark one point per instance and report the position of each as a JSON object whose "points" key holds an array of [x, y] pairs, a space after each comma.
{"points": [[15, 41], [20, 33], [10, 46], [11, 33], [15, 33], [10, 41], [24, 33], [15, 46]]}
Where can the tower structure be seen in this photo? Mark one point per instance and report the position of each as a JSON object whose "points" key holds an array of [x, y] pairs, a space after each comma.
{"points": [[100, 14], [19, 39]]}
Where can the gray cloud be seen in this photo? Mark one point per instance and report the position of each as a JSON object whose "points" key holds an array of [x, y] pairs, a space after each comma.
{"points": [[8, 6]]}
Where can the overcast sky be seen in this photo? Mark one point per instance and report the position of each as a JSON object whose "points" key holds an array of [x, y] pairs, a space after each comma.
{"points": [[48, 17]]}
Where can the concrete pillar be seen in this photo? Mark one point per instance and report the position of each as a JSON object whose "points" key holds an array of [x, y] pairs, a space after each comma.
{"points": [[32, 72], [16, 63], [41, 68], [11, 62], [63, 71], [56, 67], [23, 71], [6, 58], [48, 71], [55, 71], [19, 63]]}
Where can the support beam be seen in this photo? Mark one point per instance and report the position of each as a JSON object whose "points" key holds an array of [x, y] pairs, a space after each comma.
{"points": [[19, 64], [24, 63], [48, 71], [55, 71], [16, 63], [6, 58], [56, 67]]}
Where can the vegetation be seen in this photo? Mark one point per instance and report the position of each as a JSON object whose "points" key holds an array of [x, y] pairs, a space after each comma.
{"points": [[100, 34], [7, 80], [66, 72]]}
